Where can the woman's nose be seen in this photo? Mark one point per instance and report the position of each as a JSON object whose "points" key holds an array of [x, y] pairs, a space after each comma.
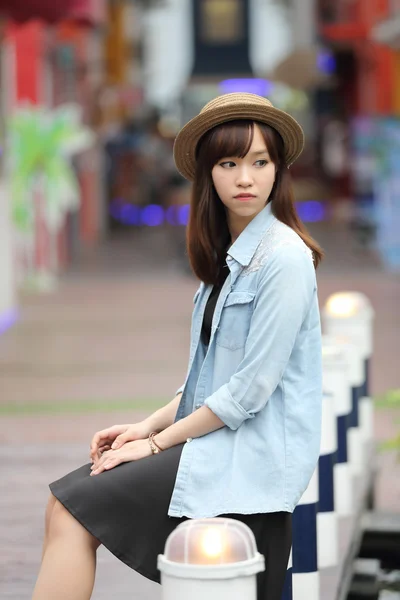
{"points": [[244, 177]]}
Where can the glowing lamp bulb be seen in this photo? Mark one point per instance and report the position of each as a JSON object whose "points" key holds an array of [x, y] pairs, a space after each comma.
{"points": [[212, 543], [342, 305]]}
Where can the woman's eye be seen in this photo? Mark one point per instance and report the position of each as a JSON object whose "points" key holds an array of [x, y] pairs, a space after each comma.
{"points": [[261, 163], [227, 164]]}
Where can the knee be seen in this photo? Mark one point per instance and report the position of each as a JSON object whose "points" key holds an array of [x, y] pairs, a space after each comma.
{"points": [[63, 524], [49, 510], [61, 520]]}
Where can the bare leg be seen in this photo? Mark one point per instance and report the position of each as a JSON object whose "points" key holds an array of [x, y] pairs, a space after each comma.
{"points": [[69, 562], [49, 512]]}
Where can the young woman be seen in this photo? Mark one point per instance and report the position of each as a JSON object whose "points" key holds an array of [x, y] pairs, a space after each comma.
{"points": [[241, 437]]}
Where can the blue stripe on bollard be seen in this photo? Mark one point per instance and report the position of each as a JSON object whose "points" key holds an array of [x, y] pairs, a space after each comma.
{"points": [[326, 488], [305, 539], [287, 593], [342, 427], [367, 376], [355, 396]]}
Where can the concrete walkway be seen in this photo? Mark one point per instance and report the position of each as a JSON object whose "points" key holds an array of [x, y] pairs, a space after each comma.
{"points": [[117, 331]]}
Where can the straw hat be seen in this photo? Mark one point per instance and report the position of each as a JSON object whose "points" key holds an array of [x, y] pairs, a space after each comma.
{"points": [[230, 107]]}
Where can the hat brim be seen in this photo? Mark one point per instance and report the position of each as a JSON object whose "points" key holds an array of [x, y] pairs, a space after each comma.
{"points": [[189, 136]]}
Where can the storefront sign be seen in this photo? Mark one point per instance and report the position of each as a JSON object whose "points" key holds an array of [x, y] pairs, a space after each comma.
{"points": [[221, 37]]}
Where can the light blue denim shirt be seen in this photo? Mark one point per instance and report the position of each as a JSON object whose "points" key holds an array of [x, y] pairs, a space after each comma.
{"points": [[261, 375]]}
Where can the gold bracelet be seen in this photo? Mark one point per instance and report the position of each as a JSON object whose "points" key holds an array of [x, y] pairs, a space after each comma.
{"points": [[154, 448]]}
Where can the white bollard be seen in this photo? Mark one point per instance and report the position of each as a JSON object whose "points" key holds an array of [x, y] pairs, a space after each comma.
{"points": [[327, 518], [304, 550], [336, 381], [215, 559], [350, 315], [355, 438]]}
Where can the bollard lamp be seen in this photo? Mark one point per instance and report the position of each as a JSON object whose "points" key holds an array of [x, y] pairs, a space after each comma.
{"points": [[215, 559], [350, 314]]}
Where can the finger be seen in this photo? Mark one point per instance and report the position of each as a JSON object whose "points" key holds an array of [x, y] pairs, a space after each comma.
{"points": [[108, 464], [119, 441], [97, 471], [96, 440], [95, 454], [101, 459], [106, 436], [95, 461], [103, 444], [99, 455]]}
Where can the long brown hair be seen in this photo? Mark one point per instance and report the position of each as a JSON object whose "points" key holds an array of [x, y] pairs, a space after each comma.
{"points": [[208, 236]]}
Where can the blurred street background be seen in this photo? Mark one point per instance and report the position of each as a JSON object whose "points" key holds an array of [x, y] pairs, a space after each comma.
{"points": [[95, 288]]}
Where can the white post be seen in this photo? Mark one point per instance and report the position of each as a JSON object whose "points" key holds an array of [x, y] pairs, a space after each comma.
{"points": [[336, 381], [327, 519], [349, 315]]}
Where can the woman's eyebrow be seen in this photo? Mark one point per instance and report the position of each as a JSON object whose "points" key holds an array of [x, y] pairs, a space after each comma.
{"points": [[257, 152]]}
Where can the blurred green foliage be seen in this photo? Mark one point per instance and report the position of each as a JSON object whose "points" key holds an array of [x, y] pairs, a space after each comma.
{"points": [[390, 400], [81, 406]]}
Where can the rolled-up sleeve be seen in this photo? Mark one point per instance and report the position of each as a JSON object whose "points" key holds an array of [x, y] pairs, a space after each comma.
{"points": [[283, 299]]}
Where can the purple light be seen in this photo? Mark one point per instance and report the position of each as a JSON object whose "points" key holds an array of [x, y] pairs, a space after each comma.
{"points": [[311, 211], [152, 215], [326, 62], [130, 214], [7, 320], [176, 214], [170, 214], [183, 214], [262, 87], [125, 213]]}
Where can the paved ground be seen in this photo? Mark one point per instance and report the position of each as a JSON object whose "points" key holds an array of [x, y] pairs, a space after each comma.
{"points": [[117, 330]]}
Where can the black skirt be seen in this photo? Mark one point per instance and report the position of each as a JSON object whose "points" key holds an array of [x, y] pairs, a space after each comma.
{"points": [[126, 509]]}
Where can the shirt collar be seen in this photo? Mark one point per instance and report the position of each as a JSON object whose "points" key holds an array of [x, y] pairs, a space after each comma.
{"points": [[246, 244]]}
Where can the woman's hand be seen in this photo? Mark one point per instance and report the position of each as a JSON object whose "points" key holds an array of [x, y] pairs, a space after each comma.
{"points": [[129, 451], [116, 436]]}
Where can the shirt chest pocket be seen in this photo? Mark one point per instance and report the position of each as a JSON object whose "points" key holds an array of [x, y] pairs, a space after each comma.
{"points": [[235, 320]]}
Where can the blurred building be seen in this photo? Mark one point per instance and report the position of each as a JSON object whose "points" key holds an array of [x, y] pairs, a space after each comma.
{"points": [[386, 32], [49, 57], [363, 106], [218, 40], [366, 68], [366, 71], [7, 285], [51, 66]]}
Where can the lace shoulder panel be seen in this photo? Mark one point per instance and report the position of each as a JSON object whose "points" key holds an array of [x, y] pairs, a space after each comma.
{"points": [[276, 236]]}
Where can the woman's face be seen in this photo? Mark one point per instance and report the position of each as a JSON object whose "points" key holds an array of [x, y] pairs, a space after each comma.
{"points": [[245, 184]]}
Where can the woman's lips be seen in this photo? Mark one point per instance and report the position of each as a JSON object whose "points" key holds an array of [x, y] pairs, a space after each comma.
{"points": [[244, 197]]}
